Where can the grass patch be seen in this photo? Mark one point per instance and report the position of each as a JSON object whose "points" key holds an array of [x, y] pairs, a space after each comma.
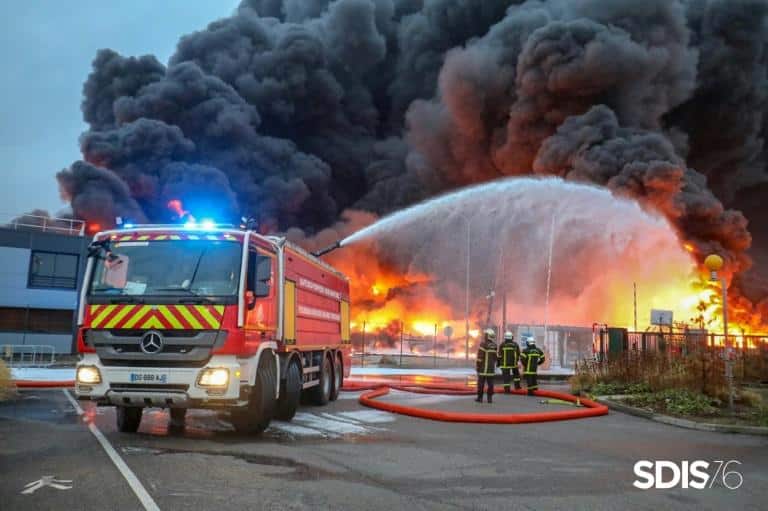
{"points": [[6, 386], [679, 402]]}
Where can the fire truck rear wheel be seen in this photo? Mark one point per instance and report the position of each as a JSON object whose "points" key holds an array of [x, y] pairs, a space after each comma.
{"points": [[128, 418], [255, 417], [290, 393], [178, 415], [338, 377], [321, 393]]}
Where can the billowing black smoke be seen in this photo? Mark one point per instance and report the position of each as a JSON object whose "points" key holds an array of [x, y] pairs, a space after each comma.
{"points": [[294, 111]]}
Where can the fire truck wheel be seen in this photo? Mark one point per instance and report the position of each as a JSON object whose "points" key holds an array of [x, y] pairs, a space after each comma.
{"points": [[338, 376], [177, 416], [290, 393], [128, 418], [255, 417], [321, 393]]}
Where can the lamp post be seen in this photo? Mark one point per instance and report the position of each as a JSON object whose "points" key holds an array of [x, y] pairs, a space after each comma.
{"points": [[714, 263], [466, 288]]}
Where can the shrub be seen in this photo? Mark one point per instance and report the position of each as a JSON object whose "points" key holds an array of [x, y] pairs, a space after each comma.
{"points": [[6, 386], [677, 402]]}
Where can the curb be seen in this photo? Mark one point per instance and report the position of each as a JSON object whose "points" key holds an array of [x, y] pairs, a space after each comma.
{"points": [[610, 402]]}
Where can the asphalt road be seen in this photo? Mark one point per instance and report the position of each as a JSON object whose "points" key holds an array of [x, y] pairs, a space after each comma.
{"points": [[344, 456]]}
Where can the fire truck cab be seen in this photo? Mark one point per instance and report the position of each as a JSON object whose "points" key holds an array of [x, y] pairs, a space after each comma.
{"points": [[186, 317]]}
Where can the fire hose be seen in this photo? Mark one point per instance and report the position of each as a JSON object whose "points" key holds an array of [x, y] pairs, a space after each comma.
{"points": [[374, 390], [588, 407]]}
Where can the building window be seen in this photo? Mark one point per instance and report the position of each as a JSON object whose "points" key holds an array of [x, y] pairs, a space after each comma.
{"points": [[45, 321], [52, 270]]}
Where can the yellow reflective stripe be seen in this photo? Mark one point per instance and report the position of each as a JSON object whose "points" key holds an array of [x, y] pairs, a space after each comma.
{"points": [[161, 237], [137, 316], [126, 238], [219, 309], [94, 309], [119, 316], [152, 322], [169, 317], [203, 311], [189, 317], [143, 238], [96, 322], [175, 237]]}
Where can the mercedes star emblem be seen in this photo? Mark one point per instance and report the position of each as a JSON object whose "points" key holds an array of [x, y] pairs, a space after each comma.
{"points": [[151, 343]]}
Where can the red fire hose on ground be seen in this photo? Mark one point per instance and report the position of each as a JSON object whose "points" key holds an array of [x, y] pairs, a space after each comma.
{"points": [[376, 390], [34, 384]]}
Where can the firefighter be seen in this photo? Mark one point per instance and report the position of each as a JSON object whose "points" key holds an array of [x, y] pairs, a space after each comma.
{"points": [[486, 365], [531, 357], [509, 358]]}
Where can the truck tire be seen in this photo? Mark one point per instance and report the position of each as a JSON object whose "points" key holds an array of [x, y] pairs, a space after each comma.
{"points": [[128, 418], [255, 417], [321, 393], [178, 416], [290, 393], [338, 378]]}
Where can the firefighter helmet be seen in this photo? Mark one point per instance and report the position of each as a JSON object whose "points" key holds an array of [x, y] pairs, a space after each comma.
{"points": [[508, 335], [530, 341], [490, 334]]}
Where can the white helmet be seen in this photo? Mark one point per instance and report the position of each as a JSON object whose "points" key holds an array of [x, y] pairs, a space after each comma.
{"points": [[530, 341], [490, 334], [508, 335]]}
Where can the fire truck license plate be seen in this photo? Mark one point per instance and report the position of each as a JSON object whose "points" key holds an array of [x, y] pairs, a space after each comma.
{"points": [[149, 378]]}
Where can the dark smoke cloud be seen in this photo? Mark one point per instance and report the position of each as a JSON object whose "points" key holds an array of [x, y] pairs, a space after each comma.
{"points": [[295, 111], [97, 194]]}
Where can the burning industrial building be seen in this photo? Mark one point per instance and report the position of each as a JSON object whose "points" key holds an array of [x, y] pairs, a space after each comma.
{"points": [[319, 117]]}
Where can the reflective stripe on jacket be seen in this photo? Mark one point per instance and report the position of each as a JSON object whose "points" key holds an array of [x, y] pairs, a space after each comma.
{"points": [[532, 358], [486, 359], [510, 355]]}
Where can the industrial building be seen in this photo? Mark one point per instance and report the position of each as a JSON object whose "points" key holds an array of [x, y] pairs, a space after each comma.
{"points": [[42, 261]]}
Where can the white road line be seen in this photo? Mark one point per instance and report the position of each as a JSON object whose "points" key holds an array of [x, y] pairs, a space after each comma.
{"points": [[144, 497]]}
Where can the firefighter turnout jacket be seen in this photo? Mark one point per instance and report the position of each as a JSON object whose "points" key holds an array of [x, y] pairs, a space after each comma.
{"points": [[509, 354], [486, 359], [532, 357]]}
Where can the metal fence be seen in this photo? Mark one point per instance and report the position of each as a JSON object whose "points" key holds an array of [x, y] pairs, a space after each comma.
{"points": [[28, 355], [67, 226], [564, 346], [702, 352]]}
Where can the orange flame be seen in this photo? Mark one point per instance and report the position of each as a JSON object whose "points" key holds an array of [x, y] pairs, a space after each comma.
{"points": [[177, 207]]}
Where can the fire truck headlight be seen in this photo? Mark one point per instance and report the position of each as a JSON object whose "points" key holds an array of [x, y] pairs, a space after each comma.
{"points": [[213, 377], [88, 374]]}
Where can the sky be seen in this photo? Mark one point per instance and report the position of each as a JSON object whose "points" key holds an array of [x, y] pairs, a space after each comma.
{"points": [[46, 47]]}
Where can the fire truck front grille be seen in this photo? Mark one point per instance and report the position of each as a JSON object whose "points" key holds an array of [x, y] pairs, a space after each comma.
{"points": [[159, 387], [166, 333], [179, 348]]}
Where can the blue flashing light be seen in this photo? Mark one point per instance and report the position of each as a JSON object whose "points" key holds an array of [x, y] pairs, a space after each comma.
{"points": [[191, 224], [207, 224], [128, 226]]}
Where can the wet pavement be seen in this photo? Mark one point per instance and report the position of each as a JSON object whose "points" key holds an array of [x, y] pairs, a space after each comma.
{"points": [[345, 456]]}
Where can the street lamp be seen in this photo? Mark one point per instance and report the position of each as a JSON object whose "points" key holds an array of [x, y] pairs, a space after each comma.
{"points": [[714, 263], [466, 287]]}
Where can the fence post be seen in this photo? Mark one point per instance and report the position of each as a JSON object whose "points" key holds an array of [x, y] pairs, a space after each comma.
{"points": [[401, 344], [363, 358], [434, 346]]}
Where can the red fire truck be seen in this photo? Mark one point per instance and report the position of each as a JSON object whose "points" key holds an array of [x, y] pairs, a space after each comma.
{"points": [[203, 316]]}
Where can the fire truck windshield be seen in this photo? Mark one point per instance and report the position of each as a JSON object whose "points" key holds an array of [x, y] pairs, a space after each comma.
{"points": [[168, 269]]}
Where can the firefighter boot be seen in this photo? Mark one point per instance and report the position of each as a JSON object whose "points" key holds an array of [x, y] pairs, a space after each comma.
{"points": [[490, 399]]}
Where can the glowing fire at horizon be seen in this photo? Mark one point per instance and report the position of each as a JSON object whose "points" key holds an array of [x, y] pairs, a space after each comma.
{"points": [[177, 207]]}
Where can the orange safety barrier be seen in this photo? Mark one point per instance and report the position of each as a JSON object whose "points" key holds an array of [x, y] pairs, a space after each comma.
{"points": [[376, 390]]}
